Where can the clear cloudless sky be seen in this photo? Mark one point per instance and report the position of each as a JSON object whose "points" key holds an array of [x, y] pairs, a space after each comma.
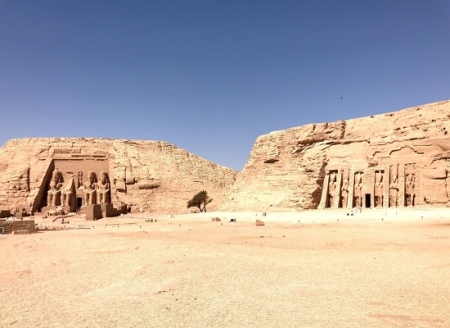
{"points": [[211, 76]]}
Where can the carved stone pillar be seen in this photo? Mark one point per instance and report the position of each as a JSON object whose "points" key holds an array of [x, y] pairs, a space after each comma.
{"points": [[412, 184], [386, 182], [394, 186], [324, 197], [418, 190], [345, 188], [401, 185], [351, 186], [337, 192]]}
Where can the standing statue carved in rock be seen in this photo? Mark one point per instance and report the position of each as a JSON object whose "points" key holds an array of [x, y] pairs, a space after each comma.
{"points": [[378, 188], [331, 189], [89, 189], [447, 183], [103, 188], [344, 190], [409, 189], [393, 192], [80, 179], [358, 189], [54, 191]]}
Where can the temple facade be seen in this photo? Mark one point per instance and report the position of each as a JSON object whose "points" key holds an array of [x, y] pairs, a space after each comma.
{"points": [[396, 159], [396, 185], [70, 174]]}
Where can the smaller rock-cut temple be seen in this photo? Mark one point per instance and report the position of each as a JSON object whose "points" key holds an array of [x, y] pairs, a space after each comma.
{"points": [[390, 160]]}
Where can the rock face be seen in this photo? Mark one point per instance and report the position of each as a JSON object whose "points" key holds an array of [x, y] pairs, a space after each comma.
{"points": [[152, 175], [390, 160]]}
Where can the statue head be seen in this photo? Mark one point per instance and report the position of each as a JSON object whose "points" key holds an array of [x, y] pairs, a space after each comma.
{"points": [[103, 177], [409, 178], [345, 175], [56, 175], [379, 176], [333, 176], [393, 171], [91, 175]]}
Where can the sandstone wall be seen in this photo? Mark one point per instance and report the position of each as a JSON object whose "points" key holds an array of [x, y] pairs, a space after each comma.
{"points": [[291, 169], [153, 175]]}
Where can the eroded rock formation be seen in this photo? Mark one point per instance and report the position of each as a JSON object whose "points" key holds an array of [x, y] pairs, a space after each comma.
{"points": [[152, 175], [394, 159]]}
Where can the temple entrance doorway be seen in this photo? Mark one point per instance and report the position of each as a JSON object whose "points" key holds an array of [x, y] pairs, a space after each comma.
{"points": [[368, 204], [79, 203]]}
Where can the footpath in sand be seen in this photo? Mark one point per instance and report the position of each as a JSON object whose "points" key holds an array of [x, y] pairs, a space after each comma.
{"points": [[308, 269]]}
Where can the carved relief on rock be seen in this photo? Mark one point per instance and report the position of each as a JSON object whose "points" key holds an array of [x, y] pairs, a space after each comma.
{"points": [[393, 187], [147, 181], [120, 179], [344, 188], [148, 184], [54, 189]]}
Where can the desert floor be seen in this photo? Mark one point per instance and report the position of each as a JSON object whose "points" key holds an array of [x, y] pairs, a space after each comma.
{"points": [[376, 269]]}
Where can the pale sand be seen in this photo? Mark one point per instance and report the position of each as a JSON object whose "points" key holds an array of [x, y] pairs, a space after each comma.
{"points": [[187, 271]]}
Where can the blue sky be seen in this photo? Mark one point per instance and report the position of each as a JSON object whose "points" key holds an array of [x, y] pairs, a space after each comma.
{"points": [[211, 76]]}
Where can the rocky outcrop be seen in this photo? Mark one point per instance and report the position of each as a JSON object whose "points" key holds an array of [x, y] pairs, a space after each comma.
{"points": [[388, 160], [153, 176]]}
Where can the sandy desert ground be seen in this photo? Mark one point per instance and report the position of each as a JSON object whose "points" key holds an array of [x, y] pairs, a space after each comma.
{"points": [[377, 269]]}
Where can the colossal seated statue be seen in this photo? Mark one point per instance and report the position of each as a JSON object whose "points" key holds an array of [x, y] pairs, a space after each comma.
{"points": [[103, 188], [54, 190], [68, 192], [89, 189]]}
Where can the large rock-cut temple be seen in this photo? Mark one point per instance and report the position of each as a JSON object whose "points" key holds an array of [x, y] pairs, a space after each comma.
{"points": [[69, 173]]}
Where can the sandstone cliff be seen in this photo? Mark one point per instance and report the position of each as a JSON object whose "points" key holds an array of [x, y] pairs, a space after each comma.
{"points": [[153, 175], [398, 159]]}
